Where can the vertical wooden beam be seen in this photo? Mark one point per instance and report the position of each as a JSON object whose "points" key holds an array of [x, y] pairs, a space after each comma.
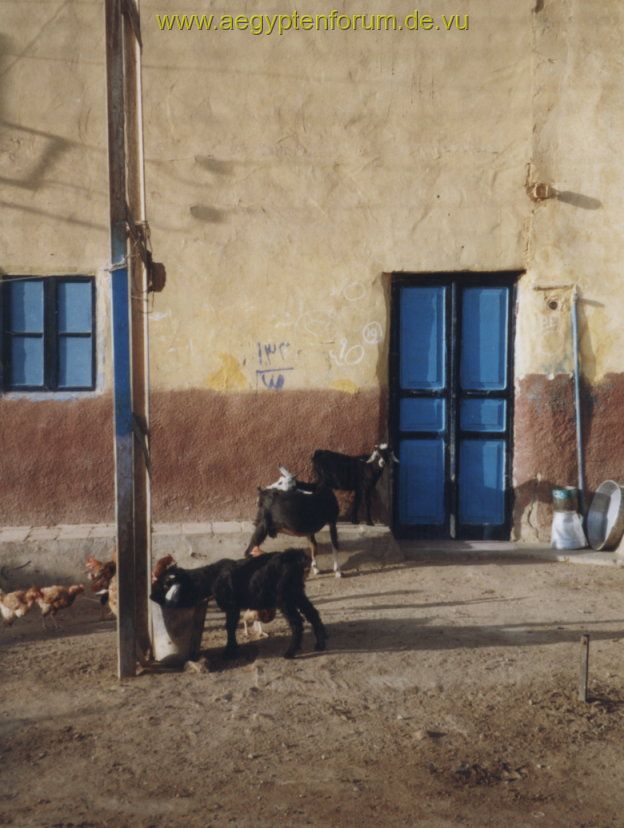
{"points": [[122, 347], [139, 322]]}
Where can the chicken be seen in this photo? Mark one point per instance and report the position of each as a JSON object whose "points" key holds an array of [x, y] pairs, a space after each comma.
{"points": [[257, 618], [102, 576], [112, 595], [162, 565], [16, 604], [54, 598]]}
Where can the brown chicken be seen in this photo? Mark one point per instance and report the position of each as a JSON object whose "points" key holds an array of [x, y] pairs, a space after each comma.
{"points": [[257, 618], [16, 604], [103, 582], [162, 565], [54, 598]]}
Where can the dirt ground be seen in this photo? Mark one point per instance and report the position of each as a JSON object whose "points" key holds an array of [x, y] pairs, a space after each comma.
{"points": [[447, 697]]}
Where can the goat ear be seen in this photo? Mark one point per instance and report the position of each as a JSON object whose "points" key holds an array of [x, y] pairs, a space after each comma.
{"points": [[371, 459], [393, 457]]}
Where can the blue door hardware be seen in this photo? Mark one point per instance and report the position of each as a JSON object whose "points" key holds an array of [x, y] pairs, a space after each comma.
{"points": [[451, 372]]}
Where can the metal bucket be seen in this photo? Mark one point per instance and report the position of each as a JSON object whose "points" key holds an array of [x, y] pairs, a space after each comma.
{"points": [[605, 519], [565, 499], [177, 634]]}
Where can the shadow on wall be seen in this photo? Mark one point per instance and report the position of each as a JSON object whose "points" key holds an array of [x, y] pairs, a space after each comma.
{"points": [[578, 200]]}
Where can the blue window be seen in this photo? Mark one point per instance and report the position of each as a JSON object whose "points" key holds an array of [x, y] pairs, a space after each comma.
{"points": [[48, 333]]}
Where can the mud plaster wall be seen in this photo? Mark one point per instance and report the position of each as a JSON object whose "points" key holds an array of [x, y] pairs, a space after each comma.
{"points": [[285, 177], [573, 238]]}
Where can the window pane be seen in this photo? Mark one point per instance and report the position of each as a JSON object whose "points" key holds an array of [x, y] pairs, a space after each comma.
{"points": [[75, 362], [25, 306], [26, 361], [74, 300]]}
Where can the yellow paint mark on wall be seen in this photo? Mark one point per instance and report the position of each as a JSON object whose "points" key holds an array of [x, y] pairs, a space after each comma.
{"points": [[344, 385], [229, 377]]}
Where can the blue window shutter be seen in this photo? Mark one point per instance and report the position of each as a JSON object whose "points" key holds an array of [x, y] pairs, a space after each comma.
{"points": [[75, 307], [74, 303], [26, 361]]}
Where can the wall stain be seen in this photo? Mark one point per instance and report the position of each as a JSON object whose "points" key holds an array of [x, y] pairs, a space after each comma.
{"points": [[229, 377]]}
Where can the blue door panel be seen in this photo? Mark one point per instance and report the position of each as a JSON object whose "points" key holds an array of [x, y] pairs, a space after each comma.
{"points": [[422, 414], [422, 338], [482, 415], [482, 482], [483, 344], [421, 482]]}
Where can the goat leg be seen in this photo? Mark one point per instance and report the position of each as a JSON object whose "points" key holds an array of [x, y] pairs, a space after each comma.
{"points": [[333, 533], [367, 498], [258, 537], [311, 615], [291, 614], [313, 551], [355, 508], [232, 617]]}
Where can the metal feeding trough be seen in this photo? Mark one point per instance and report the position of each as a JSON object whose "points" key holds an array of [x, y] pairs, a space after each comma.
{"points": [[605, 519]]}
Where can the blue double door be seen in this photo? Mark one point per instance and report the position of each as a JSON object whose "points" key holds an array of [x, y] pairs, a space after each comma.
{"points": [[451, 405]]}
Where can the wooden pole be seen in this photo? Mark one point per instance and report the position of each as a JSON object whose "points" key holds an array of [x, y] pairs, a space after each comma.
{"points": [[139, 323], [129, 324], [124, 506]]}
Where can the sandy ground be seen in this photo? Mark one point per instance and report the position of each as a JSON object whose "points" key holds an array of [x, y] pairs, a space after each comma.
{"points": [[447, 697]]}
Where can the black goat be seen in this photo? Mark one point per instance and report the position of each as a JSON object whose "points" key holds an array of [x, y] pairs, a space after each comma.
{"points": [[357, 474], [262, 582], [301, 511]]}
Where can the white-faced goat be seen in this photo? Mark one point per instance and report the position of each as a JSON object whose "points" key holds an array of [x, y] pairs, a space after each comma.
{"points": [[357, 474], [263, 582], [301, 511]]}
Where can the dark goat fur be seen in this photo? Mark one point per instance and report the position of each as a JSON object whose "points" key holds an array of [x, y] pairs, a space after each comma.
{"points": [[264, 582], [358, 474], [302, 511]]}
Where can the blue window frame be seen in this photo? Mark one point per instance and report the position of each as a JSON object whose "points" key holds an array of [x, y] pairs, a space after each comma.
{"points": [[47, 328]]}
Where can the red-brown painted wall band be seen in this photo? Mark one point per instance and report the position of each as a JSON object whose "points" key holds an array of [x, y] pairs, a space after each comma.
{"points": [[210, 450]]}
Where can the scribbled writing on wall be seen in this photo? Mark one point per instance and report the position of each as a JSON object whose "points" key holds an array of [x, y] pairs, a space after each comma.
{"points": [[372, 335], [273, 365]]}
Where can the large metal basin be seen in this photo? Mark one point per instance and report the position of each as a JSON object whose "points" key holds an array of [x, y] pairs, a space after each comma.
{"points": [[605, 519]]}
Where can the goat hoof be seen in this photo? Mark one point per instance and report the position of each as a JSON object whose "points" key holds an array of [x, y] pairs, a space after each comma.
{"points": [[369, 523], [354, 521], [338, 574], [320, 645], [290, 653]]}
